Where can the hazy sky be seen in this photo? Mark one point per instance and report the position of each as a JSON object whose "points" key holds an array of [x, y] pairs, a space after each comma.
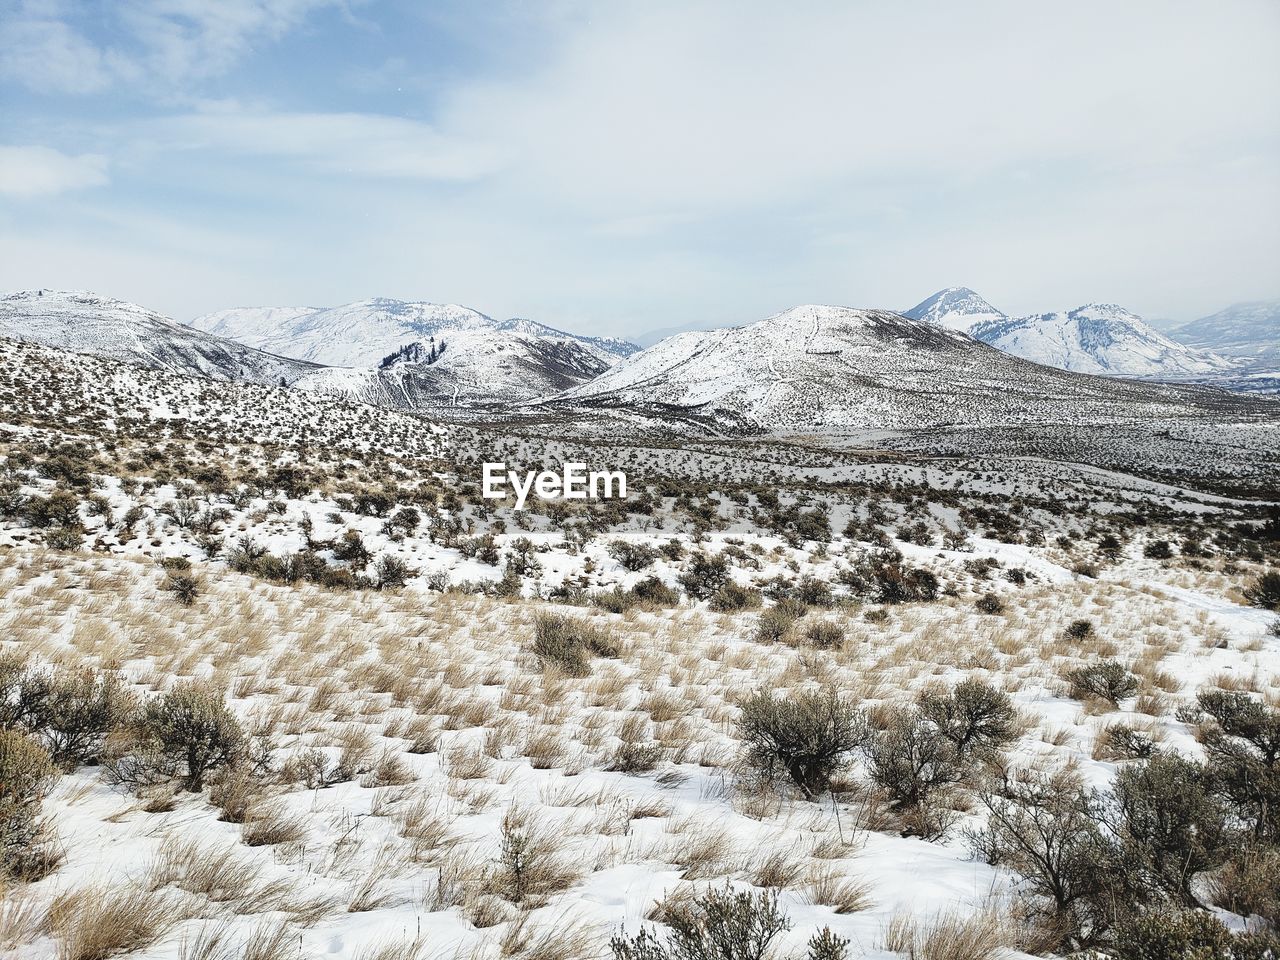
{"points": [[617, 167]]}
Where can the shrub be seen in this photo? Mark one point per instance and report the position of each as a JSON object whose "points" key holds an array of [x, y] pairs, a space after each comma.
{"points": [[1246, 884], [1106, 680], [733, 597], [1184, 935], [1264, 592], [824, 635], [1079, 630], [632, 556], [26, 773], [704, 575], [184, 587], [1172, 825], [714, 925], [774, 625], [989, 603], [911, 760], [188, 733], [81, 711], [64, 538], [570, 643], [1242, 739], [1045, 828], [809, 736], [975, 716], [391, 573], [1157, 550], [652, 590]]}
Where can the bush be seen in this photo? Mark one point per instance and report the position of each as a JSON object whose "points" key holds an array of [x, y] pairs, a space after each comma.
{"points": [[808, 736], [714, 925], [912, 761], [1185, 935], [391, 573], [824, 635], [26, 773], [632, 556], [1247, 885], [184, 587], [1079, 630], [188, 733], [989, 603], [975, 716], [733, 597], [774, 625], [1264, 592], [1242, 739], [653, 591], [1045, 828], [570, 643], [1106, 680], [1172, 825], [1158, 550], [704, 575]]}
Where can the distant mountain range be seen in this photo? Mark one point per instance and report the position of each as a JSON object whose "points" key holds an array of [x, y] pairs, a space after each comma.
{"points": [[952, 360], [361, 334], [83, 322], [1095, 338], [835, 369]]}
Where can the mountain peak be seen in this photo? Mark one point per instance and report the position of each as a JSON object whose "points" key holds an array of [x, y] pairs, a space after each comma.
{"points": [[956, 308]]}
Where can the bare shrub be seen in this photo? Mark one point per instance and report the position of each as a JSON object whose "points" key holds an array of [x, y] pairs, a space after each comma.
{"points": [[1107, 680], [570, 642], [807, 736], [26, 774]]}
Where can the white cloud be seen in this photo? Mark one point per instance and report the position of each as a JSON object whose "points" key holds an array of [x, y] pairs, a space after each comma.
{"points": [[674, 106], [34, 171], [159, 41], [366, 145]]}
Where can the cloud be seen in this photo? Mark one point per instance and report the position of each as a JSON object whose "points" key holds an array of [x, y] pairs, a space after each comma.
{"points": [[35, 171], [357, 144], [51, 47], [667, 106]]}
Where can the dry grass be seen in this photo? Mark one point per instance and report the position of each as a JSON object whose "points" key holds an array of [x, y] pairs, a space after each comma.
{"points": [[954, 935], [92, 923]]}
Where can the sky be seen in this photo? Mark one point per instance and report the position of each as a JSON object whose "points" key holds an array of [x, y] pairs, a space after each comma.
{"points": [[617, 167]]}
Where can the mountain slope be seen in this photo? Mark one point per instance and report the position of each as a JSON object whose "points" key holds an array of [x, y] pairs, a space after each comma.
{"points": [[82, 322], [1246, 330], [361, 334], [956, 308], [1098, 338], [471, 366], [834, 369]]}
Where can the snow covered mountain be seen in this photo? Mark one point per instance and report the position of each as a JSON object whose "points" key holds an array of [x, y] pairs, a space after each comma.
{"points": [[464, 367], [1250, 331], [956, 308], [836, 369], [1096, 338], [363, 333], [83, 322]]}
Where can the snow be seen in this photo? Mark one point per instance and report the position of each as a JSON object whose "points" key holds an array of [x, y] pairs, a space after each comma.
{"points": [[362, 333]]}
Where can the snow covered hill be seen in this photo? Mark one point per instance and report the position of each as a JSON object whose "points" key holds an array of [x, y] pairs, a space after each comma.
{"points": [[956, 308], [1250, 331], [836, 369], [465, 367], [83, 322], [363, 333], [1096, 338]]}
